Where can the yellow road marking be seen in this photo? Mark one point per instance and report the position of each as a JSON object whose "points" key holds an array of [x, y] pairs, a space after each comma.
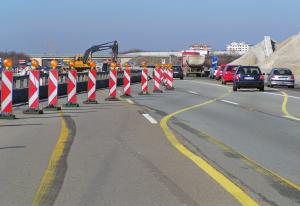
{"points": [[284, 107], [49, 174], [226, 183], [249, 161]]}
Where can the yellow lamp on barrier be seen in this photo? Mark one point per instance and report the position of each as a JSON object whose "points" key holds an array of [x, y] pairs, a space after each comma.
{"points": [[144, 65], [127, 65], [92, 64], [170, 66], [53, 63], [157, 66], [113, 65], [7, 63], [34, 63], [71, 64]]}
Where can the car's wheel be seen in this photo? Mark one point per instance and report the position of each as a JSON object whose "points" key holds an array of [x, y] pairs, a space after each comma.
{"points": [[234, 88], [262, 89], [291, 86], [271, 85], [181, 77], [224, 82]]}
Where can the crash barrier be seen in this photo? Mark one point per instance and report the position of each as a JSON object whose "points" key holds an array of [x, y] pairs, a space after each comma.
{"points": [[169, 80], [112, 83], [6, 95], [144, 80], [52, 90], [91, 93], [157, 80], [72, 89], [126, 81], [33, 93], [21, 83]]}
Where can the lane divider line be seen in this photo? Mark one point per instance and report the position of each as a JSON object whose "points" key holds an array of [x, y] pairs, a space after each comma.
{"points": [[282, 95], [150, 119], [221, 179], [50, 173], [284, 107], [129, 101], [192, 92], [229, 102]]}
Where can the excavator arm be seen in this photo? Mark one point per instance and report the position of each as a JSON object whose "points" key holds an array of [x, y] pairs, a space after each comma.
{"points": [[106, 46]]}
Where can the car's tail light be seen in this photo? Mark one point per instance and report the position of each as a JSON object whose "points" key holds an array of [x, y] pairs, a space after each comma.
{"points": [[261, 77], [292, 77], [273, 77], [237, 77]]}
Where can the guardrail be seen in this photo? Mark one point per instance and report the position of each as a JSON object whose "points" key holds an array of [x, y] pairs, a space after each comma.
{"points": [[20, 84]]}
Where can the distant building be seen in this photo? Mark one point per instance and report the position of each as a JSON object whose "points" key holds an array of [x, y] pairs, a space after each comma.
{"points": [[203, 49], [238, 47]]}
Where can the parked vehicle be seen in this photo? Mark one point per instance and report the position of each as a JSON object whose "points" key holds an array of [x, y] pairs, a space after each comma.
{"points": [[220, 71], [228, 73], [281, 77], [248, 77], [177, 72]]}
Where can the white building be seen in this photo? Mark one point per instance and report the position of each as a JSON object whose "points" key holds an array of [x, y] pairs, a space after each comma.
{"points": [[238, 47], [203, 49]]}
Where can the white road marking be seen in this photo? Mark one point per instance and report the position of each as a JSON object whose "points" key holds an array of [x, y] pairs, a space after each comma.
{"points": [[129, 101], [150, 119], [192, 92], [229, 102], [270, 93]]}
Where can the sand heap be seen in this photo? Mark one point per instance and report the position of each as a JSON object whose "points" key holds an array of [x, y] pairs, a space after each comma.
{"points": [[285, 54]]}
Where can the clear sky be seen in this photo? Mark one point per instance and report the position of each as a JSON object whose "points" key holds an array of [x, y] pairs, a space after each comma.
{"points": [[71, 26]]}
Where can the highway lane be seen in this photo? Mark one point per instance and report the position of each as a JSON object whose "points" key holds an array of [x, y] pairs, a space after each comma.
{"points": [[251, 123], [112, 155]]}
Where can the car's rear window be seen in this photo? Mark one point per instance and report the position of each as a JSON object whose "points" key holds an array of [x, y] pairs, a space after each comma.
{"points": [[282, 72], [176, 68], [249, 71], [231, 68]]}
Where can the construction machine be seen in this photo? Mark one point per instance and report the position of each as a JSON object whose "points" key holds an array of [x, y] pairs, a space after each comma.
{"points": [[82, 62]]}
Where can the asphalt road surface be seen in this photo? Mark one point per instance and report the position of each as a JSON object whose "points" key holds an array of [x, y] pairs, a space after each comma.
{"points": [[117, 153]]}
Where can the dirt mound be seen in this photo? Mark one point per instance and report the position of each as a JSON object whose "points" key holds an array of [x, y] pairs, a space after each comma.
{"points": [[286, 54]]}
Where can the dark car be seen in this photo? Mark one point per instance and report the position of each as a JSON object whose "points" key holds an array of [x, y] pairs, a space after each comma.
{"points": [[177, 72], [248, 77]]}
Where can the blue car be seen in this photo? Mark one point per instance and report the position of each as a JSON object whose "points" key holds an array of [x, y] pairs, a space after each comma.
{"points": [[248, 77]]}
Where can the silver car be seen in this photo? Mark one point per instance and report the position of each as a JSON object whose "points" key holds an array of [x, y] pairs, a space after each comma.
{"points": [[281, 77]]}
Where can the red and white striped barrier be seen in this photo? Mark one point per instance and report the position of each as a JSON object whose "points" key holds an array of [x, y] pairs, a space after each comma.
{"points": [[157, 79], [6, 95], [169, 79], [33, 93], [112, 83], [91, 95], [72, 89], [52, 90], [126, 81], [144, 81]]}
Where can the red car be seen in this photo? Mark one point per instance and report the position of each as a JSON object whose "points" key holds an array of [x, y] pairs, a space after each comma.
{"points": [[228, 73], [220, 71]]}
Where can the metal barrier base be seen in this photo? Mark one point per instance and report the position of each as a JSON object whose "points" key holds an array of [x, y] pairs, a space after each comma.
{"points": [[7, 116], [144, 93], [69, 104], [157, 91], [52, 108], [90, 102], [33, 111], [126, 96], [170, 88], [112, 99]]}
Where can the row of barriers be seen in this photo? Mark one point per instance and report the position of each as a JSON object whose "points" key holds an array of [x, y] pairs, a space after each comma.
{"points": [[53, 82]]}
